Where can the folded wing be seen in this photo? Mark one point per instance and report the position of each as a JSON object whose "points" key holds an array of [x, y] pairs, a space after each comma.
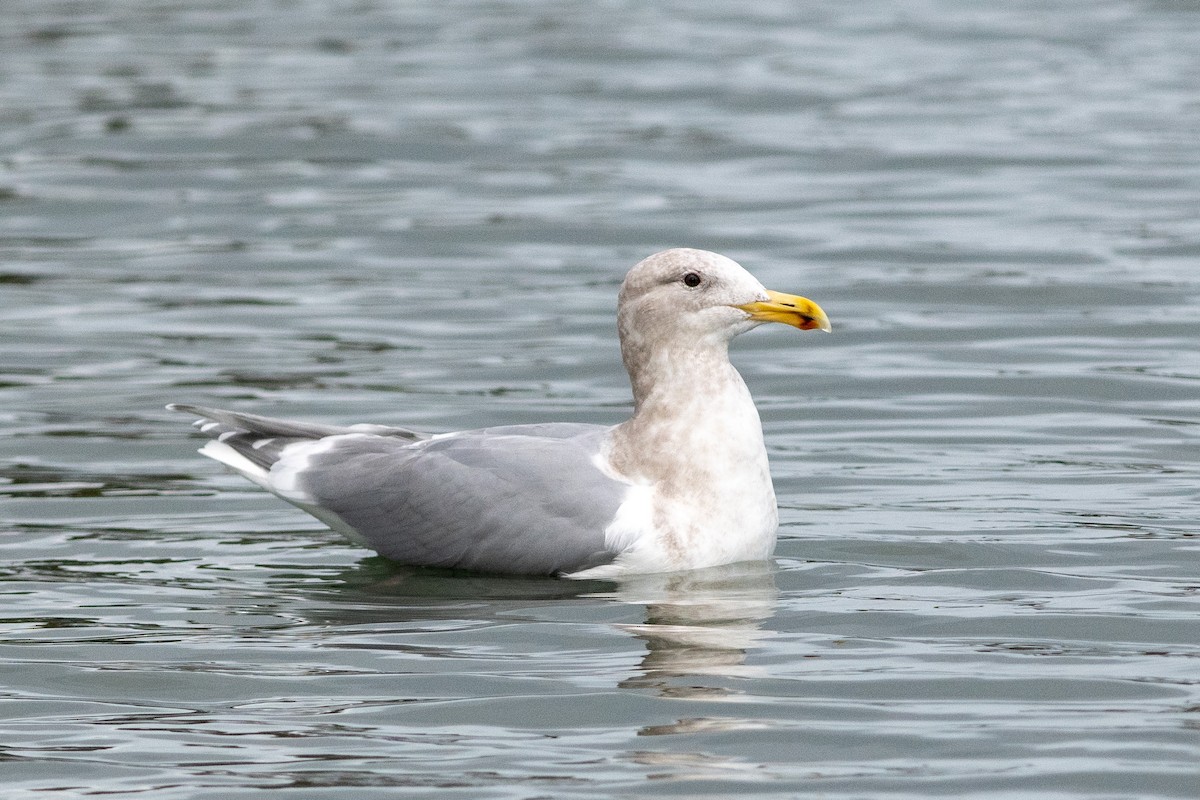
{"points": [[523, 499]]}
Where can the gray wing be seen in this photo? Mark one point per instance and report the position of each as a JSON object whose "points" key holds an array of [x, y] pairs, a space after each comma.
{"points": [[518, 499]]}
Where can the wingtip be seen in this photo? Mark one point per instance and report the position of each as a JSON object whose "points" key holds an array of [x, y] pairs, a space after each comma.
{"points": [[183, 408]]}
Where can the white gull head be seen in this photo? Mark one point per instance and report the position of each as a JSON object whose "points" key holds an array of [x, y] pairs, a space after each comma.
{"points": [[683, 304]]}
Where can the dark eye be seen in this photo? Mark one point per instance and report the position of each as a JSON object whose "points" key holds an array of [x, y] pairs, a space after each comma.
{"points": [[691, 280]]}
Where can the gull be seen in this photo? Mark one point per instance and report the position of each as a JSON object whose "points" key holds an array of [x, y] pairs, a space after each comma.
{"points": [[682, 484]]}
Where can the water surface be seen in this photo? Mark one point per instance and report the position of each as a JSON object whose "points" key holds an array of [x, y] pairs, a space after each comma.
{"points": [[988, 575]]}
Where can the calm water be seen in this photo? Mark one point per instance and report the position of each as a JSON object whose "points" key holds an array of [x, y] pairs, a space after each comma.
{"points": [[988, 577]]}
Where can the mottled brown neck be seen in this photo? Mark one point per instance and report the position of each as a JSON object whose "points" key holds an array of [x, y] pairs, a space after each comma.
{"points": [[688, 401]]}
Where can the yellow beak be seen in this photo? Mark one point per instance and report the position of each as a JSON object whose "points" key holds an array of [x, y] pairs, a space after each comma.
{"points": [[789, 309]]}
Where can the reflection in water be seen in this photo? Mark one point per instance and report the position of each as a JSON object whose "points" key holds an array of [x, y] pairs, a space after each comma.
{"points": [[698, 626], [699, 623]]}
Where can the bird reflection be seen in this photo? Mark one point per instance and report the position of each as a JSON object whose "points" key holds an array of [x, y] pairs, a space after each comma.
{"points": [[699, 627]]}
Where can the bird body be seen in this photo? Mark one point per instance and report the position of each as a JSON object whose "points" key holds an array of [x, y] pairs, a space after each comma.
{"points": [[684, 483]]}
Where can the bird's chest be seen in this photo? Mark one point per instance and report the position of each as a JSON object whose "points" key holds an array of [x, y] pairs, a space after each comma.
{"points": [[713, 498]]}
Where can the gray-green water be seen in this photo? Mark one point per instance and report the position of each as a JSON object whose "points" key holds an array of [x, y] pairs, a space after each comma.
{"points": [[988, 578]]}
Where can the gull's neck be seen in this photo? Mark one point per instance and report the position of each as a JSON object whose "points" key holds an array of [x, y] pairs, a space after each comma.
{"points": [[695, 443], [689, 401]]}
